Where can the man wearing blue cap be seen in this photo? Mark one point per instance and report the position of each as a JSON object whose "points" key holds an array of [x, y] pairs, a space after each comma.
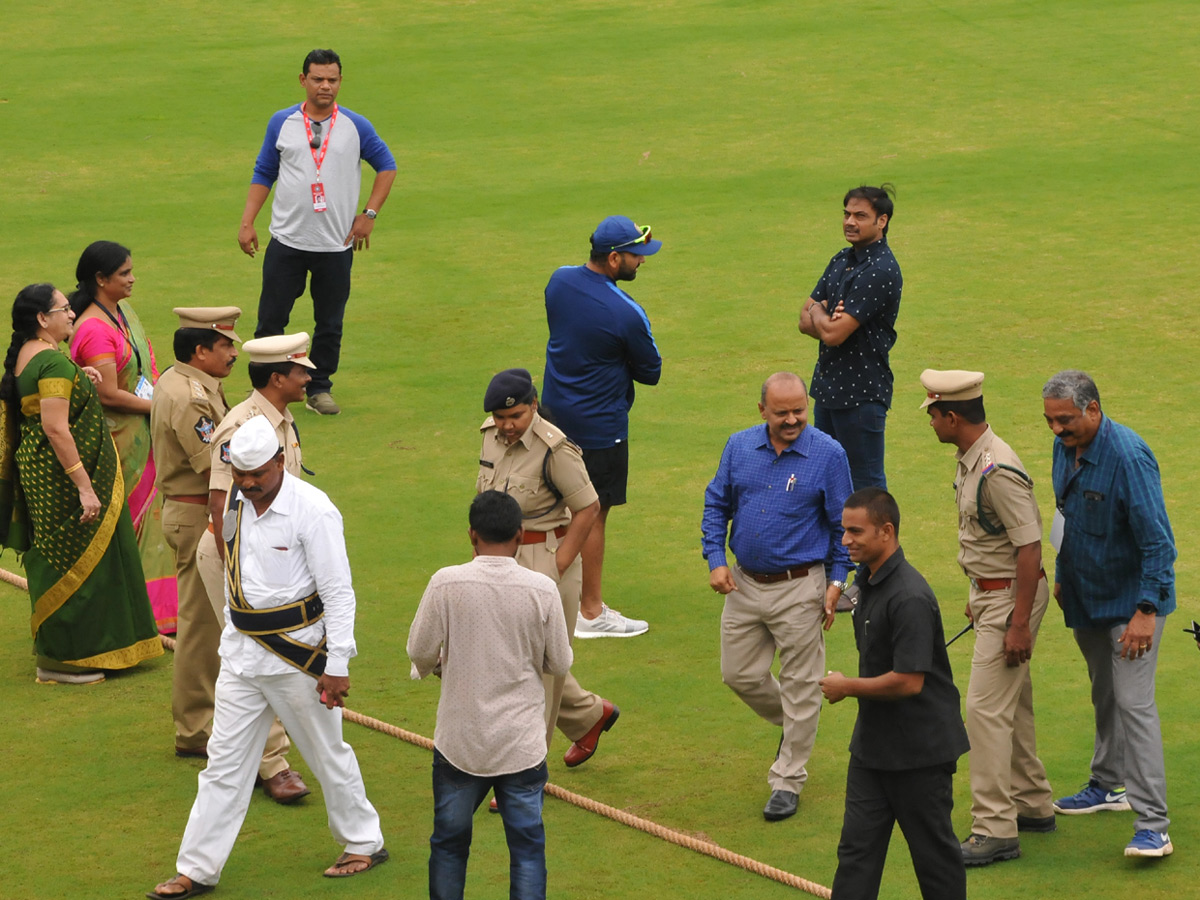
{"points": [[600, 344]]}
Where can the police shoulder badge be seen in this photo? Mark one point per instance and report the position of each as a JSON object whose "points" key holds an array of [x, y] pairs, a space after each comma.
{"points": [[204, 428], [225, 457]]}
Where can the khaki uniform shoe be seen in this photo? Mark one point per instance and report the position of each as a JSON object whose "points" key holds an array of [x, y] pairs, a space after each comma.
{"points": [[322, 404]]}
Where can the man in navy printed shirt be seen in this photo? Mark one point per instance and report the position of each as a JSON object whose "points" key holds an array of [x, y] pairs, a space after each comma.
{"points": [[782, 486], [1115, 581], [852, 314]]}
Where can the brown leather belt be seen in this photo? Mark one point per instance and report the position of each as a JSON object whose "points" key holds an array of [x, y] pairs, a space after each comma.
{"points": [[198, 499], [788, 575], [998, 584], [539, 537]]}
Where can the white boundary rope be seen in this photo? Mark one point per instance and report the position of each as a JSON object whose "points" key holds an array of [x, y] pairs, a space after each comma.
{"points": [[679, 838]]}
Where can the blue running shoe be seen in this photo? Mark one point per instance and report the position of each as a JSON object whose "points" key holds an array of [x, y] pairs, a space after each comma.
{"points": [[1150, 843], [1092, 798]]}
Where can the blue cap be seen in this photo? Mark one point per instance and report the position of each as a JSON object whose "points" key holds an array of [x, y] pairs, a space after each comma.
{"points": [[619, 233]]}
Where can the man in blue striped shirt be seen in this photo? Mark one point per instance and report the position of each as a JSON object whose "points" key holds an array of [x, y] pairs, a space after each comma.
{"points": [[782, 486], [1115, 581]]}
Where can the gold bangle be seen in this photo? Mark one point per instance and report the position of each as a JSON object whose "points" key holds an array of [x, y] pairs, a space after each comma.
{"points": [[78, 465]]}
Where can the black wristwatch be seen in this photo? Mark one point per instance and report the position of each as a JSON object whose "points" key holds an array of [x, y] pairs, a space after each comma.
{"points": [[1148, 608]]}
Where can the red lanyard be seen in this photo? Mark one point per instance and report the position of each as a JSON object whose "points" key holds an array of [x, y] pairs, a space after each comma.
{"points": [[318, 158]]}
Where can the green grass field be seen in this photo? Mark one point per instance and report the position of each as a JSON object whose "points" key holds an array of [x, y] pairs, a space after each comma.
{"points": [[1034, 146]]}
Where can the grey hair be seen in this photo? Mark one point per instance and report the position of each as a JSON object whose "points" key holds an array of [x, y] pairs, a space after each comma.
{"points": [[779, 377], [1072, 385]]}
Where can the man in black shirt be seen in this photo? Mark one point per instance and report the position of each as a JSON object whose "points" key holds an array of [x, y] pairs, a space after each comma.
{"points": [[909, 733], [852, 314]]}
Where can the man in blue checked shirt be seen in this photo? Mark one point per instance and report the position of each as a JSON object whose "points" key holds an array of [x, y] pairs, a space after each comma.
{"points": [[783, 486], [1115, 581]]}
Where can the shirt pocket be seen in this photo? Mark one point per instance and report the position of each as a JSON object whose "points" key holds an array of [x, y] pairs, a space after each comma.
{"points": [[1094, 514], [802, 501], [278, 566], [486, 480]]}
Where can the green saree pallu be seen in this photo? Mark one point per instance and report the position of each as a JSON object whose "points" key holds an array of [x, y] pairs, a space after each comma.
{"points": [[94, 342], [86, 585]]}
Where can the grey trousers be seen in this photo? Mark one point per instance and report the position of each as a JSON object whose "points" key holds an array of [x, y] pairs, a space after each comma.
{"points": [[1129, 747]]}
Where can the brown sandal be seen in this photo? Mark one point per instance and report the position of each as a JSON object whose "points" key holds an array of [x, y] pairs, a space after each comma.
{"points": [[346, 859], [194, 889]]}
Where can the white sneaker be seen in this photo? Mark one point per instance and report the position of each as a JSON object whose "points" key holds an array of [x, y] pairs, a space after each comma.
{"points": [[52, 676], [609, 623]]}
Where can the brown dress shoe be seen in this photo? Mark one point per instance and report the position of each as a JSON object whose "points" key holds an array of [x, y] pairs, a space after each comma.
{"points": [[285, 787], [192, 752], [581, 751]]}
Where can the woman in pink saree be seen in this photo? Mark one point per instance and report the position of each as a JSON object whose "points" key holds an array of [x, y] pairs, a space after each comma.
{"points": [[109, 337]]}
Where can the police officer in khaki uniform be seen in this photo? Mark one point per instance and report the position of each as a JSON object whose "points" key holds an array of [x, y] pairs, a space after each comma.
{"points": [[279, 371], [531, 460], [187, 406], [1000, 540]]}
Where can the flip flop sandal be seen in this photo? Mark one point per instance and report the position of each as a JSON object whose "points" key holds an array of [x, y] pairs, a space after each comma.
{"points": [[372, 861], [194, 891]]}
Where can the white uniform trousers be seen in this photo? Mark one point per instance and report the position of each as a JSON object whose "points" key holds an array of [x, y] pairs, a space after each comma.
{"points": [[245, 708]]}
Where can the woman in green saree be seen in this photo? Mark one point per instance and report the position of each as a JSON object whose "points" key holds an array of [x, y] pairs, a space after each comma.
{"points": [[64, 504], [109, 337]]}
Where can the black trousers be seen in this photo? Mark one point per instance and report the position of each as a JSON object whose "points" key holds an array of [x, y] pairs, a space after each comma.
{"points": [[921, 801], [285, 271]]}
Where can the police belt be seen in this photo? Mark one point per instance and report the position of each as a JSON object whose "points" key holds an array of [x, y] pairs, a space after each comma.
{"points": [[278, 619]]}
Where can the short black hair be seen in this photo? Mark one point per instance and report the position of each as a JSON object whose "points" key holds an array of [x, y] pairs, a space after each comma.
{"points": [[880, 199], [495, 517], [322, 58], [881, 506], [188, 339], [260, 373], [968, 410]]}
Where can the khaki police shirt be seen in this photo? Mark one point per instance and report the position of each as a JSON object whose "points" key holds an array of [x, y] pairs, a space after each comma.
{"points": [[184, 413], [517, 471], [1008, 503], [255, 405]]}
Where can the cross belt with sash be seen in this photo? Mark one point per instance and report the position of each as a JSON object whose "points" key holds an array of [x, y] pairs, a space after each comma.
{"points": [[269, 627]]}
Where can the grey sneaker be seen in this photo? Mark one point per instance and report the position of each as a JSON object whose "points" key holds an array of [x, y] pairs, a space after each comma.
{"points": [[323, 404], [609, 623], [978, 850]]}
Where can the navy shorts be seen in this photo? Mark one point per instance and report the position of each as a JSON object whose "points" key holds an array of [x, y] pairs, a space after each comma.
{"points": [[609, 471]]}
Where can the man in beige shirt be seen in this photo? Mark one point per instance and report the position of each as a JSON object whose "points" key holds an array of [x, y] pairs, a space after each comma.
{"points": [[1000, 541], [494, 628]]}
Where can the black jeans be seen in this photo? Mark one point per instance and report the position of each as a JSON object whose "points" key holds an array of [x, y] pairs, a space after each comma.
{"points": [[284, 273], [921, 801]]}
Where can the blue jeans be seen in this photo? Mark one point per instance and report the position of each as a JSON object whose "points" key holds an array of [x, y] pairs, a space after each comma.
{"points": [[860, 432], [456, 796]]}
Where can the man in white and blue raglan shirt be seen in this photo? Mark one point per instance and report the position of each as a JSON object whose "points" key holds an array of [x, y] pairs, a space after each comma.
{"points": [[600, 344], [312, 154]]}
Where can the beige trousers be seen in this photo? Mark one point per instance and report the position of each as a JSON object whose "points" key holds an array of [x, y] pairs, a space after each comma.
{"points": [[198, 633], [568, 705], [758, 620], [1007, 777], [212, 573]]}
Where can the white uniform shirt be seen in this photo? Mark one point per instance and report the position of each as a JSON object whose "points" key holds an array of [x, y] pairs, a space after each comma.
{"points": [[295, 547]]}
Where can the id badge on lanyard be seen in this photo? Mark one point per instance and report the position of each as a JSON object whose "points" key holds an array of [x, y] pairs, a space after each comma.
{"points": [[318, 189]]}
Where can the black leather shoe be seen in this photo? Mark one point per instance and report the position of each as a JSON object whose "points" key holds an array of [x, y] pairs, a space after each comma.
{"points": [[1042, 824], [782, 805]]}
